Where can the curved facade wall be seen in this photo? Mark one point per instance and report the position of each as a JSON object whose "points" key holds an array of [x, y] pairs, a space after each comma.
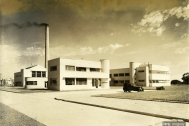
{"points": [[105, 82], [133, 66]]}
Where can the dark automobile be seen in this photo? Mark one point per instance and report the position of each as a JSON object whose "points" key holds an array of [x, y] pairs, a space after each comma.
{"points": [[160, 88], [127, 87]]}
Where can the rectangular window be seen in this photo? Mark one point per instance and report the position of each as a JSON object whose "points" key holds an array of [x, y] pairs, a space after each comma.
{"points": [[94, 70], [158, 72], [80, 69], [53, 68], [53, 81], [115, 75], [121, 81], [31, 82], [121, 74], [115, 81], [81, 81], [141, 71], [33, 73], [127, 81], [70, 68], [70, 81], [141, 80], [43, 74], [127, 74], [38, 73], [110, 75], [18, 83]]}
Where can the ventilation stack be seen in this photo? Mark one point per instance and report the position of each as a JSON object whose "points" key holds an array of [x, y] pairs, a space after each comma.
{"points": [[46, 45]]}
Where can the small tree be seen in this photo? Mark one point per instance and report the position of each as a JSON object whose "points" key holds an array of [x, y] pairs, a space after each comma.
{"points": [[185, 78]]}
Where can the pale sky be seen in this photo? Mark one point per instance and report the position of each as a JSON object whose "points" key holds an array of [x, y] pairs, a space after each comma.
{"points": [[123, 31]]}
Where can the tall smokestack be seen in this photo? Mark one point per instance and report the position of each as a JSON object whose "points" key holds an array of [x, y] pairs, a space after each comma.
{"points": [[46, 45]]}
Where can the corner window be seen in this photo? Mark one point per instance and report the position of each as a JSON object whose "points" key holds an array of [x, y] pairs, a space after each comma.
{"points": [[53, 68]]}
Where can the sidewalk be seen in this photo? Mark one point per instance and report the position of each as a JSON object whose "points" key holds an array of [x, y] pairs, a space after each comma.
{"points": [[151, 108]]}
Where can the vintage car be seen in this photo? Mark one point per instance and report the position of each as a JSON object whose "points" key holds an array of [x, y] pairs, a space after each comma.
{"points": [[160, 88], [127, 87]]}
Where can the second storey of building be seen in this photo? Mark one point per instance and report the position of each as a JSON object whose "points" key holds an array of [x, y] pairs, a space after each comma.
{"points": [[78, 68]]}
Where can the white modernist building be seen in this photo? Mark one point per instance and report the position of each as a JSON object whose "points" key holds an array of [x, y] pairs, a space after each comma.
{"points": [[142, 74], [73, 74], [34, 77]]}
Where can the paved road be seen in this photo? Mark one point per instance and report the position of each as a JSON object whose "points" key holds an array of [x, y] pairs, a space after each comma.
{"points": [[43, 108], [11, 117]]}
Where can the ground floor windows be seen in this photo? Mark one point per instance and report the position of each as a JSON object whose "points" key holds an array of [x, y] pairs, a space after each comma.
{"points": [[159, 81], [53, 81], [18, 84], [31, 82], [115, 81], [81, 81], [127, 81], [70, 81], [121, 81], [141, 80]]}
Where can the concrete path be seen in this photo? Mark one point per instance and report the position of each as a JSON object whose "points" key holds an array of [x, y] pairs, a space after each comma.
{"points": [[177, 110], [11, 117], [48, 111], [44, 108]]}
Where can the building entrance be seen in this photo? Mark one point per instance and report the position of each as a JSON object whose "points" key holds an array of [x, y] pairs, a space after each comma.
{"points": [[96, 82]]}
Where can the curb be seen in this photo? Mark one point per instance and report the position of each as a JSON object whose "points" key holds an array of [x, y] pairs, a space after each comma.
{"points": [[126, 110]]}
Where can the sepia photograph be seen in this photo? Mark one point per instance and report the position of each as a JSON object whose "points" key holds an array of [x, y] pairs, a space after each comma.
{"points": [[94, 62]]}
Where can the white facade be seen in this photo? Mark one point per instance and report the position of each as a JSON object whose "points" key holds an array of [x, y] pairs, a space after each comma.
{"points": [[34, 77], [141, 74], [72, 74]]}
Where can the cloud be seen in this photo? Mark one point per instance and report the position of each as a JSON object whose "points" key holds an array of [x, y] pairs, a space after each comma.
{"points": [[182, 50], [9, 60], [87, 50], [177, 24], [8, 54], [179, 12], [70, 51], [153, 22], [109, 49], [33, 51]]}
